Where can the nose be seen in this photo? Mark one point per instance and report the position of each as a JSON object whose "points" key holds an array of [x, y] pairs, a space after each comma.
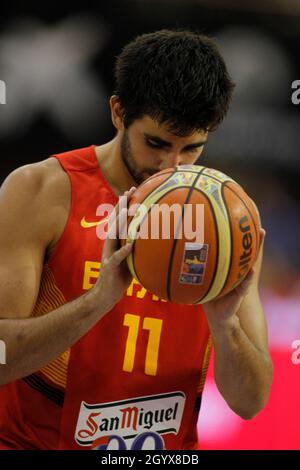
{"points": [[170, 161]]}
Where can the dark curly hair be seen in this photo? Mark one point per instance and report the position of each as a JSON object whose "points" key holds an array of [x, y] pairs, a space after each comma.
{"points": [[175, 77]]}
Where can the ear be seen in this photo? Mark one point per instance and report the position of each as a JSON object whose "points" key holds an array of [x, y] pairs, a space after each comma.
{"points": [[116, 113]]}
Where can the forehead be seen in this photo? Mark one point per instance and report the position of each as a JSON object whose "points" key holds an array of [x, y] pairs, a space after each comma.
{"points": [[147, 125]]}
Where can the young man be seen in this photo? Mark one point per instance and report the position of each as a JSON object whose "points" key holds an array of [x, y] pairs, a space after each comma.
{"points": [[92, 361]]}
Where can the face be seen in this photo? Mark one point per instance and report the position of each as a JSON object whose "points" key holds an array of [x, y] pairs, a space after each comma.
{"points": [[148, 147]]}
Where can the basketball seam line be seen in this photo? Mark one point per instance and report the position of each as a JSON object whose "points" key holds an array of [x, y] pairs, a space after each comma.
{"points": [[176, 231], [217, 243], [133, 250], [231, 234]]}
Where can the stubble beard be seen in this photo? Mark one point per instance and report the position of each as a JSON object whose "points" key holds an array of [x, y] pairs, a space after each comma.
{"points": [[139, 176]]}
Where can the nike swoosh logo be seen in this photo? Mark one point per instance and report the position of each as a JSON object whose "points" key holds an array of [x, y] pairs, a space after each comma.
{"points": [[85, 224]]}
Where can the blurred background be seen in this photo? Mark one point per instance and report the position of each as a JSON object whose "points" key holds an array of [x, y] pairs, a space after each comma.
{"points": [[57, 64]]}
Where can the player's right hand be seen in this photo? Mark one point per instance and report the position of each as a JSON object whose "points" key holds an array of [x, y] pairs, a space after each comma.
{"points": [[115, 276]]}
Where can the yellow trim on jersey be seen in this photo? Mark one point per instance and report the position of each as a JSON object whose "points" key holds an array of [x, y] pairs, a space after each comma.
{"points": [[57, 370], [50, 297], [205, 365]]}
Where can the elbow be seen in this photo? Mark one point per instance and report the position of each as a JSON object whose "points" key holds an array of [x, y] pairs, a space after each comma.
{"points": [[248, 413], [253, 407], [260, 396], [253, 398]]}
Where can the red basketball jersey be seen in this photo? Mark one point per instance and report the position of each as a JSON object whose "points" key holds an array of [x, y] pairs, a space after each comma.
{"points": [[134, 381]]}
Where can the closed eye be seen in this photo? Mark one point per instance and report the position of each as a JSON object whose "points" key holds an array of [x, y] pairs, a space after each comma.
{"points": [[160, 144], [193, 149], [154, 144]]}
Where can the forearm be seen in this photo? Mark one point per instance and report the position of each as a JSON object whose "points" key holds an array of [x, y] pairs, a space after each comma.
{"points": [[243, 373], [33, 342]]}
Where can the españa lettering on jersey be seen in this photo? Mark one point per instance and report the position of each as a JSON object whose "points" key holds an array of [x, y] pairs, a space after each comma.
{"points": [[137, 375]]}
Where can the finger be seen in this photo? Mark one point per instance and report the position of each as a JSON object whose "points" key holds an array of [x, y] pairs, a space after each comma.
{"points": [[119, 214], [262, 234], [260, 249], [120, 255], [114, 213], [122, 218], [127, 194], [131, 191], [243, 287], [117, 224], [112, 243]]}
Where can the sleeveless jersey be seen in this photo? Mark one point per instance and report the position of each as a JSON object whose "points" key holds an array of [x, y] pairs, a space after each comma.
{"points": [[134, 381]]}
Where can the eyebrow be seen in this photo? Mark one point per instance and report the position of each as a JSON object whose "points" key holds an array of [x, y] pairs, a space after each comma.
{"points": [[165, 143]]}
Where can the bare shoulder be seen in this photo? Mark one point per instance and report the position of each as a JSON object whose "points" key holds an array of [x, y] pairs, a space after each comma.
{"points": [[39, 194], [36, 178], [53, 182], [39, 176]]}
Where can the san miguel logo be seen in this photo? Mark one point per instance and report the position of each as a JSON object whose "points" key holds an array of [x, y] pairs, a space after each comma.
{"points": [[126, 420]]}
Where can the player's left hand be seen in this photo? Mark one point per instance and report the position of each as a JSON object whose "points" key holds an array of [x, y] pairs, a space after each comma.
{"points": [[223, 310]]}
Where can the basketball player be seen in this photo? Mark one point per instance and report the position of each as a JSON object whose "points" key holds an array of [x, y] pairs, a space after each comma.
{"points": [[92, 357]]}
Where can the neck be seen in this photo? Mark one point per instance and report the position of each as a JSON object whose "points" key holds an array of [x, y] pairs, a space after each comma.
{"points": [[113, 167]]}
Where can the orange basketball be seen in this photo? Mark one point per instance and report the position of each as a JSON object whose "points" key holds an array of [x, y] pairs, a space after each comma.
{"points": [[210, 258]]}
